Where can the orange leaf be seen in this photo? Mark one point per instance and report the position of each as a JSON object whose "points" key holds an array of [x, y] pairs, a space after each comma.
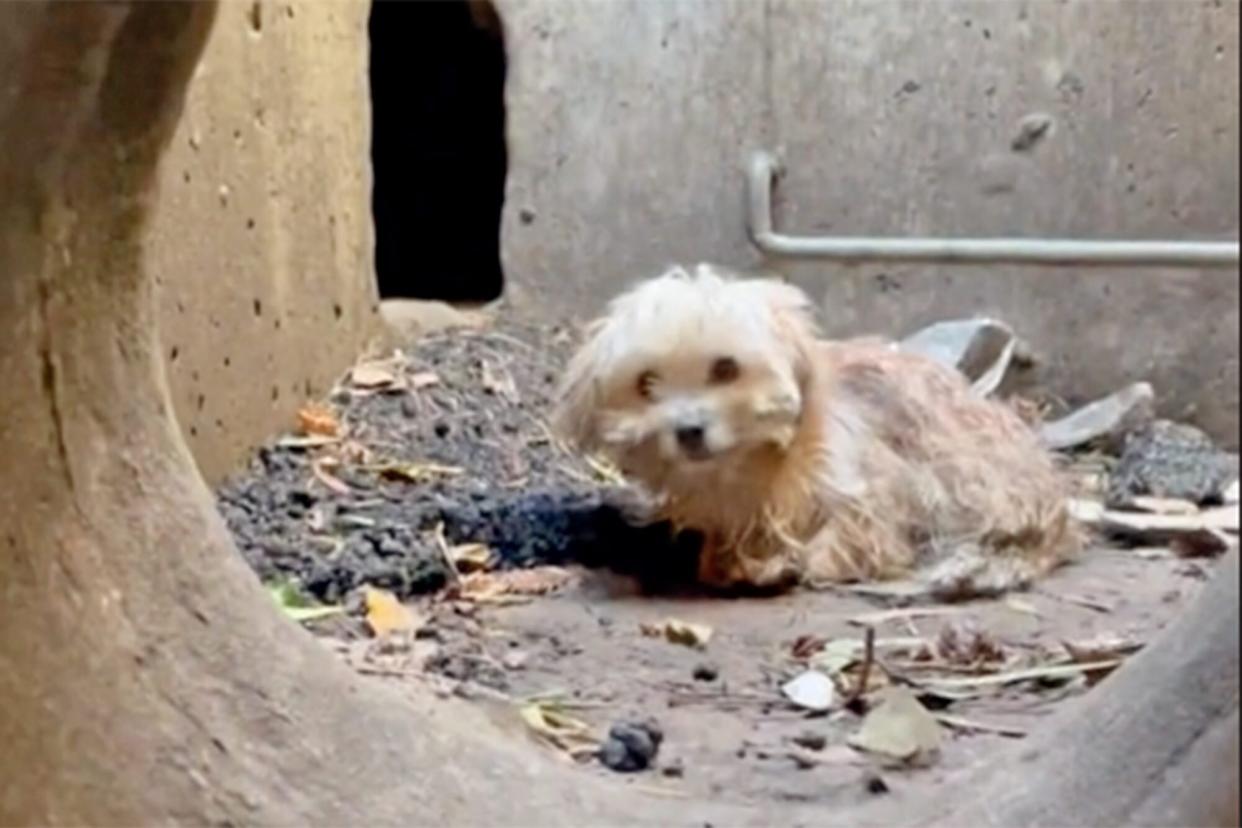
{"points": [[314, 418], [385, 614]]}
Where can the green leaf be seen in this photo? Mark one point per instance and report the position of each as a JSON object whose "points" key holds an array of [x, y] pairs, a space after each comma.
{"points": [[295, 605]]}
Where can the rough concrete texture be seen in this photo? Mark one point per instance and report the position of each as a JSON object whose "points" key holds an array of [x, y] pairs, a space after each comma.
{"points": [[262, 240], [629, 123]]}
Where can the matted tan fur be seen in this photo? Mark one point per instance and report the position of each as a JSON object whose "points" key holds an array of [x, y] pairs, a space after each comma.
{"points": [[801, 459]]}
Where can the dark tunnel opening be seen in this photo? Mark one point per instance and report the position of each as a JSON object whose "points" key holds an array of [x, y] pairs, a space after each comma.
{"points": [[437, 72]]}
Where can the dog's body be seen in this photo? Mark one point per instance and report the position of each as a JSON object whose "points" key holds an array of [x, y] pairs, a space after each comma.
{"points": [[805, 460]]}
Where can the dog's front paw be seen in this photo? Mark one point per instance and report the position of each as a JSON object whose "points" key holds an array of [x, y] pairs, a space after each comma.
{"points": [[738, 572]]}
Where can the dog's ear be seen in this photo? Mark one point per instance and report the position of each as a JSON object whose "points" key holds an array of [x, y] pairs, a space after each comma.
{"points": [[793, 320], [575, 413]]}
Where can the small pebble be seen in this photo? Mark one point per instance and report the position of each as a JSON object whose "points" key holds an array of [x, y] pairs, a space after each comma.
{"points": [[631, 746], [803, 759], [614, 755], [811, 740], [674, 770], [875, 784], [706, 672]]}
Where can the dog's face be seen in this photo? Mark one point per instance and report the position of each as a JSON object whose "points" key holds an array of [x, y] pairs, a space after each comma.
{"points": [[690, 371]]}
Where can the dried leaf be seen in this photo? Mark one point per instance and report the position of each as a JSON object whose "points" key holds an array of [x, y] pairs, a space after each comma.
{"points": [[805, 646], [837, 655], [471, 557], [496, 586], [811, 690], [386, 614], [317, 419], [372, 375], [295, 606], [899, 729], [963, 645], [417, 472], [553, 725], [679, 632]]}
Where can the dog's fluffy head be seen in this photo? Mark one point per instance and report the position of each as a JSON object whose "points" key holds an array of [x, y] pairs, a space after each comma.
{"points": [[690, 371]]}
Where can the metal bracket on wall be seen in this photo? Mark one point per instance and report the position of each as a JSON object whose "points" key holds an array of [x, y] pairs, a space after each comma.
{"points": [[764, 169]]}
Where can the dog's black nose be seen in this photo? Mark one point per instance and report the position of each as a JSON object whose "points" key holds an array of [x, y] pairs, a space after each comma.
{"points": [[691, 438]]}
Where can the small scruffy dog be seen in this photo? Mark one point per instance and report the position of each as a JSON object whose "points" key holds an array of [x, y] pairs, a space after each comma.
{"points": [[805, 460]]}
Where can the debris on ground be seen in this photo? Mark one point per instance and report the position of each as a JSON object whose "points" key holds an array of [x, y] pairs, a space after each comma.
{"points": [[1054, 673], [551, 723], [899, 729], [430, 478], [673, 769], [965, 725], [1172, 460], [295, 605], [1105, 421], [964, 646], [516, 584], [1201, 533], [380, 374], [445, 449], [631, 746], [676, 631], [982, 349], [318, 419], [385, 614], [706, 672], [874, 784], [1101, 649], [811, 690], [811, 740], [471, 557]]}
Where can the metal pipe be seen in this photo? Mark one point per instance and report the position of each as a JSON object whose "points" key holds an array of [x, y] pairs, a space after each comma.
{"points": [[764, 168]]}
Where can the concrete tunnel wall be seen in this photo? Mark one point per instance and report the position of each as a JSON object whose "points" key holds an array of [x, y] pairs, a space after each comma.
{"points": [[262, 241], [628, 124]]}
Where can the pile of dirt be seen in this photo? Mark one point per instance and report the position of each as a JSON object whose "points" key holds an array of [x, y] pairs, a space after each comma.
{"points": [[452, 446]]}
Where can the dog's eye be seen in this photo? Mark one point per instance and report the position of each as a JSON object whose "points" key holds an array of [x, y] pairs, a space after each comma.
{"points": [[645, 383], [724, 370]]}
